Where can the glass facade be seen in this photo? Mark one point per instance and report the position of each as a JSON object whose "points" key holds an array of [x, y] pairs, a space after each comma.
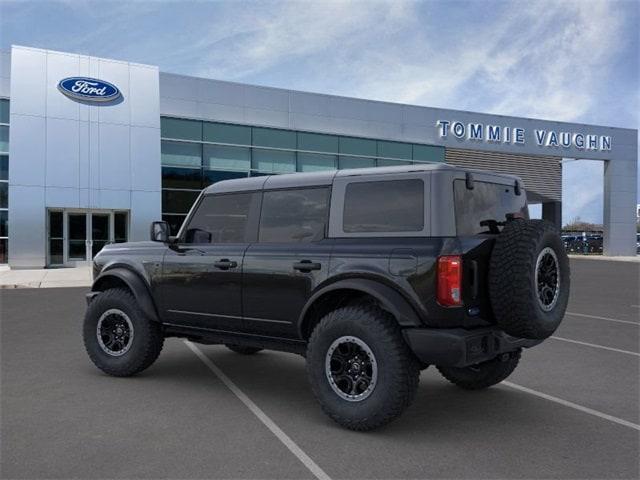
{"points": [[196, 154], [4, 180]]}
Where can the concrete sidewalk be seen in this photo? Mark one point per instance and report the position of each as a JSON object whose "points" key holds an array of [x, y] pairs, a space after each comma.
{"points": [[602, 257], [46, 278]]}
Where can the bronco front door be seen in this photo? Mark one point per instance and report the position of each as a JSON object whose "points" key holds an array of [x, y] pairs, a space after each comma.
{"points": [[201, 282]]}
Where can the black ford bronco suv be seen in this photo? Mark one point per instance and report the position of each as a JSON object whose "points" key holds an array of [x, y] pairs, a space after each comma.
{"points": [[371, 274]]}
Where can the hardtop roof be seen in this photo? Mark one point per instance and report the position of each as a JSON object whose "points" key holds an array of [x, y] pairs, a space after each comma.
{"points": [[312, 179]]}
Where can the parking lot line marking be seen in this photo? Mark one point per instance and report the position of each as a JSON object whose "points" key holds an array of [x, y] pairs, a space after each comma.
{"points": [[263, 417], [603, 318], [596, 346], [575, 406]]}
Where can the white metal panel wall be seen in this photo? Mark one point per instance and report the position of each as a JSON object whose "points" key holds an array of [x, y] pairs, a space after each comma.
{"points": [[542, 175], [70, 154]]}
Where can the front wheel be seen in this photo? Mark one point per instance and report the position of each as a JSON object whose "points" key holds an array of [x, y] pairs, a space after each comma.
{"points": [[360, 369], [482, 375], [120, 340]]}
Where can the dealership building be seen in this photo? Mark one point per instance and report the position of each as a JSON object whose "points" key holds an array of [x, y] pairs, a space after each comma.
{"points": [[92, 150]]}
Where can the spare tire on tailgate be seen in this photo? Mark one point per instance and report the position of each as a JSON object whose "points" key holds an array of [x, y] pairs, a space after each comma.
{"points": [[529, 279]]}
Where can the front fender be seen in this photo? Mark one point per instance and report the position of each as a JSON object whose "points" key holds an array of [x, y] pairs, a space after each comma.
{"points": [[389, 299], [135, 283]]}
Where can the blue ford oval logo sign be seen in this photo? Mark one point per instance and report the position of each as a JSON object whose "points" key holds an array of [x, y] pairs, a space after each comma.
{"points": [[88, 89]]}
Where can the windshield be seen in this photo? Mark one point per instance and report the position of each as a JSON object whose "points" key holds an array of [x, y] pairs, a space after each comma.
{"points": [[487, 202]]}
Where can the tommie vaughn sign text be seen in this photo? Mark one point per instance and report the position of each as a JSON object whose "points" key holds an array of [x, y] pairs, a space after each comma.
{"points": [[515, 135]]}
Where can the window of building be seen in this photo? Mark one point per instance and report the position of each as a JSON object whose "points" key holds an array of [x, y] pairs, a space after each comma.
{"points": [[274, 138], [4, 181], [296, 215], [313, 162], [4, 250], [181, 154], [384, 206], [4, 167], [273, 161], [176, 177], [428, 153], [175, 222], [355, 162], [226, 158], [180, 129], [120, 227], [4, 233], [178, 201], [358, 146], [487, 201], [213, 176], [4, 194], [56, 238], [4, 220], [4, 139], [395, 150], [222, 219], [4, 111], [316, 142], [226, 133]]}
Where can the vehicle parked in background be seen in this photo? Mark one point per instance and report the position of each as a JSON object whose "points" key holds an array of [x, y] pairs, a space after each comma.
{"points": [[583, 243], [371, 274]]}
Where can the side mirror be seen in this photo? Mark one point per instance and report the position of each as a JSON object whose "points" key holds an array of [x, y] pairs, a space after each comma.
{"points": [[160, 232]]}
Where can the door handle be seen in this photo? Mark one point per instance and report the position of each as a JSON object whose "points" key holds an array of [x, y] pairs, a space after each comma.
{"points": [[306, 266], [225, 264]]}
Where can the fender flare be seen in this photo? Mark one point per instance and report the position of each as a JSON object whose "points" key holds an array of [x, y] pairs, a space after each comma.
{"points": [[390, 300], [137, 286]]}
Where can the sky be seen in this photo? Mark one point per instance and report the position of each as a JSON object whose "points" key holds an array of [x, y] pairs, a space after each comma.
{"points": [[559, 60]]}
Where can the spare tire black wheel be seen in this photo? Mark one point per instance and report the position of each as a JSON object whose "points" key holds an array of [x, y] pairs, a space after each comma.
{"points": [[529, 279]]}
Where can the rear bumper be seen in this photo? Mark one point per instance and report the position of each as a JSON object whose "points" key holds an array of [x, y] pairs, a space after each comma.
{"points": [[458, 347]]}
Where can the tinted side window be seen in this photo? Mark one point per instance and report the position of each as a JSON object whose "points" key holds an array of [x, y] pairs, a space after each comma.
{"points": [[222, 219], [384, 206], [298, 215], [487, 201]]}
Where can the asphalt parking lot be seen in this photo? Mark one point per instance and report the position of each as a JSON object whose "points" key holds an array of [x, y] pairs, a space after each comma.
{"points": [[571, 409]]}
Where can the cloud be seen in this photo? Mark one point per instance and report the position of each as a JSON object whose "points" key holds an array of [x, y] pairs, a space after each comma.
{"points": [[571, 60]]}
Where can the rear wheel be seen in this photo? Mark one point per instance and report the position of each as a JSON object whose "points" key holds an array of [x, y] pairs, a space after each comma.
{"points": [[120, 340], [360, 369], [482, 375], [241, 349]]}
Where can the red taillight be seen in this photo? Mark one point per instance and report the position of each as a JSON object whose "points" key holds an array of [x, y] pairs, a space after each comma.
{"points": [[450, 280]]}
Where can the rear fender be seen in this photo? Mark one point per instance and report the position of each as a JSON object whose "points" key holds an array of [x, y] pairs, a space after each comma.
{"points": [[388, 298]]}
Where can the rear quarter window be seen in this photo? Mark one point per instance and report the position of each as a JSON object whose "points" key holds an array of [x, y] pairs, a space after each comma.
{"points": [[384, 206], [487, 201]]}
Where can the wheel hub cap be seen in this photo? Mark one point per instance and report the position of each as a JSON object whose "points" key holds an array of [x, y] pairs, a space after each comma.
{"points": [[114, 332], [351, 368], [547, 278]]}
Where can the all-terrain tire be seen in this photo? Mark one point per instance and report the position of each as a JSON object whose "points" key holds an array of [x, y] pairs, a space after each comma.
{"points": [[241, 349], [146, 342], [523, 248], [398, 371], [482, 375]]}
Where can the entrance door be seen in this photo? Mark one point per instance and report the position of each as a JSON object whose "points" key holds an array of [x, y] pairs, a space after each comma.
{"points": [[100, 231], [76, 236]]}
